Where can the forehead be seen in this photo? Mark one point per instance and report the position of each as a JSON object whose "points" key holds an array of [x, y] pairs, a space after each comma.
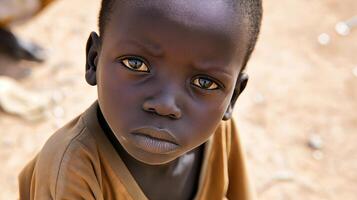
{"points": [[195, 21], [217, 14], [220, 16]]}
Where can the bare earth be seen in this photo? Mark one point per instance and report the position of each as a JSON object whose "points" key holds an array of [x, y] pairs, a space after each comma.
{"points": [[298, 90]]}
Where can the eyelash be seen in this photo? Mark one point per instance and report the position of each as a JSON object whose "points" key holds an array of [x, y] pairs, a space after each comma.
{"points": [[126, 62], [195, 82]]}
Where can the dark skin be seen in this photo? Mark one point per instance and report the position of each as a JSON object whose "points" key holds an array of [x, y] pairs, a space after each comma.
{"points": [[174, 66], [185, 180]]}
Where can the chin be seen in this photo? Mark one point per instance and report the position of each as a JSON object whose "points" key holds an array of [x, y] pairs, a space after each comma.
{"points": [[156, 159]]}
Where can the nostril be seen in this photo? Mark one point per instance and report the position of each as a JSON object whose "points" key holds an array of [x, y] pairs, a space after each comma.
{"points": [[165, 109], [151, 110], [172, 116]]}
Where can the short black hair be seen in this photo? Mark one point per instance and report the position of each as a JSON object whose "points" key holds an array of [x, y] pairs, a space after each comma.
{"points": [[252, 10]]}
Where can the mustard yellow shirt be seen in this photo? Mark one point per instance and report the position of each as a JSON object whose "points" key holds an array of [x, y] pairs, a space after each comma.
{"points": [[79, 162]]}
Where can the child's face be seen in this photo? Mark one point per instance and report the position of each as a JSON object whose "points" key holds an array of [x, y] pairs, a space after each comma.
{"points": [[168, 71]]}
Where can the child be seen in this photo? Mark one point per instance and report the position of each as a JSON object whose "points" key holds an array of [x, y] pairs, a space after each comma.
{"points": [[167, 73]]}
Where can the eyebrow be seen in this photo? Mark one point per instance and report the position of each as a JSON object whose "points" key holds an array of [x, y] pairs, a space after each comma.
{"points": [[212, 67], [156, 51], [147, 46]]}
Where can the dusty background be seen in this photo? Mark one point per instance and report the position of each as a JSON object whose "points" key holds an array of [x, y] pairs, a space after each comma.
{"points": [[299, 91]]}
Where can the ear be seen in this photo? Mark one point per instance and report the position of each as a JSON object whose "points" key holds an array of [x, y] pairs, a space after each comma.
{"points": [[92, 53], [239, 88]]}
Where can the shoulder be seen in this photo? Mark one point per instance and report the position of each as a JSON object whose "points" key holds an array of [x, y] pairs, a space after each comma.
{"points": [[228, 127], [63, 145], [68, 157], [227, 133]]}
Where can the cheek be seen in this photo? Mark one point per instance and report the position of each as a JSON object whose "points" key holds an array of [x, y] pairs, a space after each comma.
{"points": [[204, 119], [210, 107], [109, 87], [117, 97], [116, 86]]}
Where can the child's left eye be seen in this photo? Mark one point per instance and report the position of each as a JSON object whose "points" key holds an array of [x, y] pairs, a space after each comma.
{"points": [[135, 64], [205, 83]]}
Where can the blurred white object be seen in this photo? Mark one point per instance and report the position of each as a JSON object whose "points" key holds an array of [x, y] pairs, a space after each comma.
{"points": [[16, 100], [324, 39], [344, 28], [315, 142], [354, 71]]}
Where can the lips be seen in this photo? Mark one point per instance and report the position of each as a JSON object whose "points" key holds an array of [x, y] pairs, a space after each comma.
{"points": [[154, 140]]}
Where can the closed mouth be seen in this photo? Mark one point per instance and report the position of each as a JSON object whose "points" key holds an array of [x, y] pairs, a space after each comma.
{"points": [[154, 140]]}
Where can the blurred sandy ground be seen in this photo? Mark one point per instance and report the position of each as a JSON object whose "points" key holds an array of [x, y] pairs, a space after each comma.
{"points": [[299, 91]]}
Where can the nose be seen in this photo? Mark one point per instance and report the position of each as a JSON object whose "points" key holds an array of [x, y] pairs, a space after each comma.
{"points": [[163, 105]]}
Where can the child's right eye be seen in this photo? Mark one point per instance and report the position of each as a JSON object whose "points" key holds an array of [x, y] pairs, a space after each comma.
{"points": [[135, 64]]}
